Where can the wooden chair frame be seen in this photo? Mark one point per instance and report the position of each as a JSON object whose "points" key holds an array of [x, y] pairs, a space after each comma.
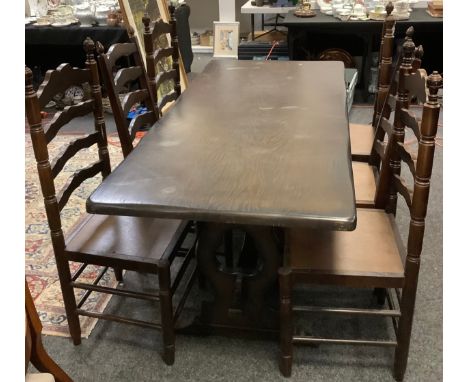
{"points": [[378, 168], [35, 351], [57, 81], [400, 310], [116, 84]]}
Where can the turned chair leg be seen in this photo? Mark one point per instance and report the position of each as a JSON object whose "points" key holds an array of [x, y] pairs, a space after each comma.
{"points": [[286, 322], [228, 251], [118, 274], [69, 299], [167, 316], [405, 323], [380, 293]]}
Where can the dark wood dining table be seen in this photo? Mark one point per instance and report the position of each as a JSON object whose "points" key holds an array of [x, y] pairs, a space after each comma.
{"points": [[260, 146]]}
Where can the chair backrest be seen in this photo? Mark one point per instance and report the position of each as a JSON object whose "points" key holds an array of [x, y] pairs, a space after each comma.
{"points": [[156, 57], [122, 82], [421, 170], [57, 81], [408, 83]]}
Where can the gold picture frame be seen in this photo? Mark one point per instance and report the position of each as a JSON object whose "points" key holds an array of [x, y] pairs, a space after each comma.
{"points": [[133, 12]]}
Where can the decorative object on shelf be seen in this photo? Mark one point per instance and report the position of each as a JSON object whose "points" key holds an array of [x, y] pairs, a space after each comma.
{"points": [[259, 3], [337, 54], [226, 39], [114, 18], [435, 8], [206, 38], [39, 7], [84, 12], [402, 10], [195, 38], [304, 9], [325, 6]]}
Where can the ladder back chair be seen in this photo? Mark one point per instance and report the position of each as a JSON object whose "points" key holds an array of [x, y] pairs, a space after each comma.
{"points": [[118, 82], [362, 135], [373, 255], [156, 58], [371, 180], [143, 245]]}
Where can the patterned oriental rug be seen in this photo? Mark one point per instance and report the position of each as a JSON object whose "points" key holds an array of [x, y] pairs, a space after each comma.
{"points": [[41, 272]]}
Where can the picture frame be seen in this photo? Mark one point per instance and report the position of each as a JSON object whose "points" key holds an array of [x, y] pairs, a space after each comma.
{"points": [[134, 10], [226, 39]]}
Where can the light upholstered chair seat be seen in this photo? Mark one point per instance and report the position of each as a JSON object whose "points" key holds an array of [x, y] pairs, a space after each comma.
{"points": [[370, 251], [364, 184], [39, 377], [362, 138]]}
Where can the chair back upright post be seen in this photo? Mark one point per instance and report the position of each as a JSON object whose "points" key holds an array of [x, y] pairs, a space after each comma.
{"points": [[385, 197], [385, 66], [98, 111], [418, 211]]}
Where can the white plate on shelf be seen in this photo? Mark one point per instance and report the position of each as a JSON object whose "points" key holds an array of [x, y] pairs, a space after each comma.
{"points": [[61, 24], [29, 20]]}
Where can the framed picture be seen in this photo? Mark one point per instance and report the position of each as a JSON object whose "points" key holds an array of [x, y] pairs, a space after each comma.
{"points": [[133, 12], [226, 39]]}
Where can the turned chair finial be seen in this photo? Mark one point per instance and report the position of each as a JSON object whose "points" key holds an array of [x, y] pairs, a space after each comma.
{"points": [[99, 47], [28, 75], [408, 47], [409, 33], [88, 45], [146, 21], [389, 8], [434, 83], [419, 52]]}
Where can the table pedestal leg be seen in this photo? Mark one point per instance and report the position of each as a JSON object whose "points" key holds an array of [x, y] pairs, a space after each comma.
{"points": [[224, 315]]}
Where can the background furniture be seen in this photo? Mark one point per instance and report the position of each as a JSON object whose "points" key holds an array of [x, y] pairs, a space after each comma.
{"points": [[266, 9], [307, 37], [48, 47]]}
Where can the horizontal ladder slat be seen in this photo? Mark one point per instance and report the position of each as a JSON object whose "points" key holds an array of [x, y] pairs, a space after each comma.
{"points": [[71, 149], [66, 115], [126, 75], [403, 190], [304, 340], [75, 180], [119, 319], [88, 292], [132, 98], [118, 292], [350, 311], [410, 120]]}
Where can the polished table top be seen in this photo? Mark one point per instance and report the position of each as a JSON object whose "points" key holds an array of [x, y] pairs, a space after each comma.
{"points": [[249, 142]]}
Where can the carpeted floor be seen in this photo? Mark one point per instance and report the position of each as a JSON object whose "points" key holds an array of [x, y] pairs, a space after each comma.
{"points": [[117, 352]]}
